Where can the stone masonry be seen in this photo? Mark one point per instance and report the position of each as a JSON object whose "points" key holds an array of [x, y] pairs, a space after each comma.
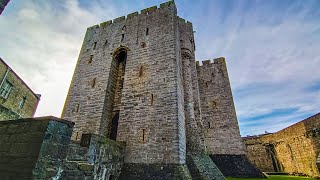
{"points": [[136, 81], [293, 150]]}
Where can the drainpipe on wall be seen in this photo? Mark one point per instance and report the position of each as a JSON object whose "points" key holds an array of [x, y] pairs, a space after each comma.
{"points": [[5, 76]]}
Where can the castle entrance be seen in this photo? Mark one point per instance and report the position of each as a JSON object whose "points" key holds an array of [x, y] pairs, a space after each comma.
{"points": [[116, 80], [114, 126]]}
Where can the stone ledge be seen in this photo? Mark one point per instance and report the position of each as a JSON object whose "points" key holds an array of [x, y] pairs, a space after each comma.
{"points": [[44, 118]]}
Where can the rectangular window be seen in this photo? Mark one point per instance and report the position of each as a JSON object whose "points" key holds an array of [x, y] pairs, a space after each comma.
{"points": [[122, 37], [22, 102], [152, 99], [5, 90], [94, 45], [143, 135], [90, 60]]}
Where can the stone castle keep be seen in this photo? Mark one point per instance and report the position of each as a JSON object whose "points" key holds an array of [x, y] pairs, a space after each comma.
{"points": [[140, 108], [137, 81]]}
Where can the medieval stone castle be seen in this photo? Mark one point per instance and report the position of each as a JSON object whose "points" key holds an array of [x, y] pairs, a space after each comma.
{"points": [[137, 81], [139, 108]]}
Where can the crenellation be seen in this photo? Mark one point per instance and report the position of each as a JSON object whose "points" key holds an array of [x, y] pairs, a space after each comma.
{"points": [[105, 24], [149, 10], [119, 19], [167, 4], [131, 15]]}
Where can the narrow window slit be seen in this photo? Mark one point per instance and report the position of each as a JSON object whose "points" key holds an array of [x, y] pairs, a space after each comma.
{"points": [[209, 125], [152, 99], [143, 135], [147, 31], [93, 83], [141, 71], [122, 37], [77, 108], [90, 60], [94, 45]]}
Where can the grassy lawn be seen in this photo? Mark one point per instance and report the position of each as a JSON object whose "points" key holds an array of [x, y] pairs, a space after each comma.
{"points": [[275, 177]]}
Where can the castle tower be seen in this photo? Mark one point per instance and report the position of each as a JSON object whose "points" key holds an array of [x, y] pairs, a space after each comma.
{"points": [[136, 81], [128, 86], [222, 134]]}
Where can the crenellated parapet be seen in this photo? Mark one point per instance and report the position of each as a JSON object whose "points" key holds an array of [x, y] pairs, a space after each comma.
{"points": [[146, 11], [208, 62]]}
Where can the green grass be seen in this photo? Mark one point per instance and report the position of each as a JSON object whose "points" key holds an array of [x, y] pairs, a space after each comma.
{"points": [[275, 177]]}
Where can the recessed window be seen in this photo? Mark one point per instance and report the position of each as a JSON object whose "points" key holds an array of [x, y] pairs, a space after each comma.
{"points": [[93, 82], [147, 31], [6, 88], [22, 102], [141, 71], [143, 135], [77, 108], [209, 125], [94, 45], [122, 37], [152, 99], [90, 59]]}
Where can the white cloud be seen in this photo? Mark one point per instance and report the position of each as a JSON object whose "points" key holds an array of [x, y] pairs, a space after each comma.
{"points": [[41, 42]]}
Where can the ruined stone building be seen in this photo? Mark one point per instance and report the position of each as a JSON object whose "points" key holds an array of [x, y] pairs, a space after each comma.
{"points": [[293, 150], [137, 81], [17, 100]]}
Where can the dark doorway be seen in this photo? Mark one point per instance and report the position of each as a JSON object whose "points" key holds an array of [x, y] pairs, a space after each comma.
{"points": [[114, 126]]}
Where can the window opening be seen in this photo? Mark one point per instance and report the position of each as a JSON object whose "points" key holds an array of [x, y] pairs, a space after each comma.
{"points": [[143, 135], [122, 37], [147, 31], [94, 45], [141, 71], [93, 84], [77, 108], [90, 59], [6, 89], [114, 126], [152, 99], [22, 102], [209, 125]]}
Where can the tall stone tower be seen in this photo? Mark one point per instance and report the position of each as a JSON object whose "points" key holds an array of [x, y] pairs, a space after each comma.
{"points": [[136, 81]]}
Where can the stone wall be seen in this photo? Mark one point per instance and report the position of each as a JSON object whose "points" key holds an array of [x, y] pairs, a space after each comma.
{"points": [[218, 111], [292, 150], [95, 157], [10, 107], [33, 148]]}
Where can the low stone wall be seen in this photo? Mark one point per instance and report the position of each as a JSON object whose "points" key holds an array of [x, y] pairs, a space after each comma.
{"points": [[293, 150], [94, 157], [33, 148]]}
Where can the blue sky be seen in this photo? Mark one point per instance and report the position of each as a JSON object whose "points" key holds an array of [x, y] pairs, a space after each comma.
{"points": [[272, 50]]}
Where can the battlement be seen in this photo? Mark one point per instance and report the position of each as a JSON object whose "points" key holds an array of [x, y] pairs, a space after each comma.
{"points": [[220, 60], [183, 21], [145, 11]]}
